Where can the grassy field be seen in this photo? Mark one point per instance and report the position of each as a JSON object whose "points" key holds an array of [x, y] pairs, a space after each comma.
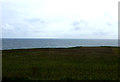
{"points": [[80, 63]]}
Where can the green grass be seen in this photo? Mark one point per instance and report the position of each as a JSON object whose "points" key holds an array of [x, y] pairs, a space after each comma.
{"points": [[84, 63]]}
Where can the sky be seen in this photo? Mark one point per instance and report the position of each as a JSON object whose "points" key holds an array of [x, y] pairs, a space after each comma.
{"points": [[77, 19]]}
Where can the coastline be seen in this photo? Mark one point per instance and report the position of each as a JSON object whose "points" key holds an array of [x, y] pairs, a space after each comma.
{"points": [[62, 47]]}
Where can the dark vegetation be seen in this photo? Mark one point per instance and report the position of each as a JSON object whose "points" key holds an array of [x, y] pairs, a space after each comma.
{"points": [[79, 63]]}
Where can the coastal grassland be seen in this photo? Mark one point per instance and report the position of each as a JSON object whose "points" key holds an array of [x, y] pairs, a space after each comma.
{"points": [[83, 63]]}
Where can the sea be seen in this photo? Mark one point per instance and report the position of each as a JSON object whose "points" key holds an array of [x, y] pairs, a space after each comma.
{"points": [[55, 43]]}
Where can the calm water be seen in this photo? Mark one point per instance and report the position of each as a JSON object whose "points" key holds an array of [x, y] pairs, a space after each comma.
{"points": [[55, 43]]}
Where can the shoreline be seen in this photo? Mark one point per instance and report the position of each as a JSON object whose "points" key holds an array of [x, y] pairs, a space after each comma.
{"points": [[63, 47]]}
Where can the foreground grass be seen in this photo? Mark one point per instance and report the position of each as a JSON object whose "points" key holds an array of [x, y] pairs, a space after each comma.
{"points": [[84, 63]]}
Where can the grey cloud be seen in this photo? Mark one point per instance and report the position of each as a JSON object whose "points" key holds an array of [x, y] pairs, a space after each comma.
{"points": [[79, 24], [36, 24], [99, 33], [109, 24], [7, 27], [16, 32]]}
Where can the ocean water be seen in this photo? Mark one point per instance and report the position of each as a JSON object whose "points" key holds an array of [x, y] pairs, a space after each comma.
{"points": [[55, 43]]}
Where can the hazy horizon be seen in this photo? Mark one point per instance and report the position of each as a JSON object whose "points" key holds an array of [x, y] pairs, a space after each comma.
{"points": [[63, 38]]}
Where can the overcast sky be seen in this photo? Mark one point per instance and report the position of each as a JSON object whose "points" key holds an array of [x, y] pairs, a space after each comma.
{"points": [[83, 19]]}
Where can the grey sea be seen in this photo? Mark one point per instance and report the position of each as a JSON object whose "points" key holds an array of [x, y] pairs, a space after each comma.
{"points": [[55, 43]]}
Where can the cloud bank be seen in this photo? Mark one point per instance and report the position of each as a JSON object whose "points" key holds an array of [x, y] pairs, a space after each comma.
{"points": [[89, 19]]}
